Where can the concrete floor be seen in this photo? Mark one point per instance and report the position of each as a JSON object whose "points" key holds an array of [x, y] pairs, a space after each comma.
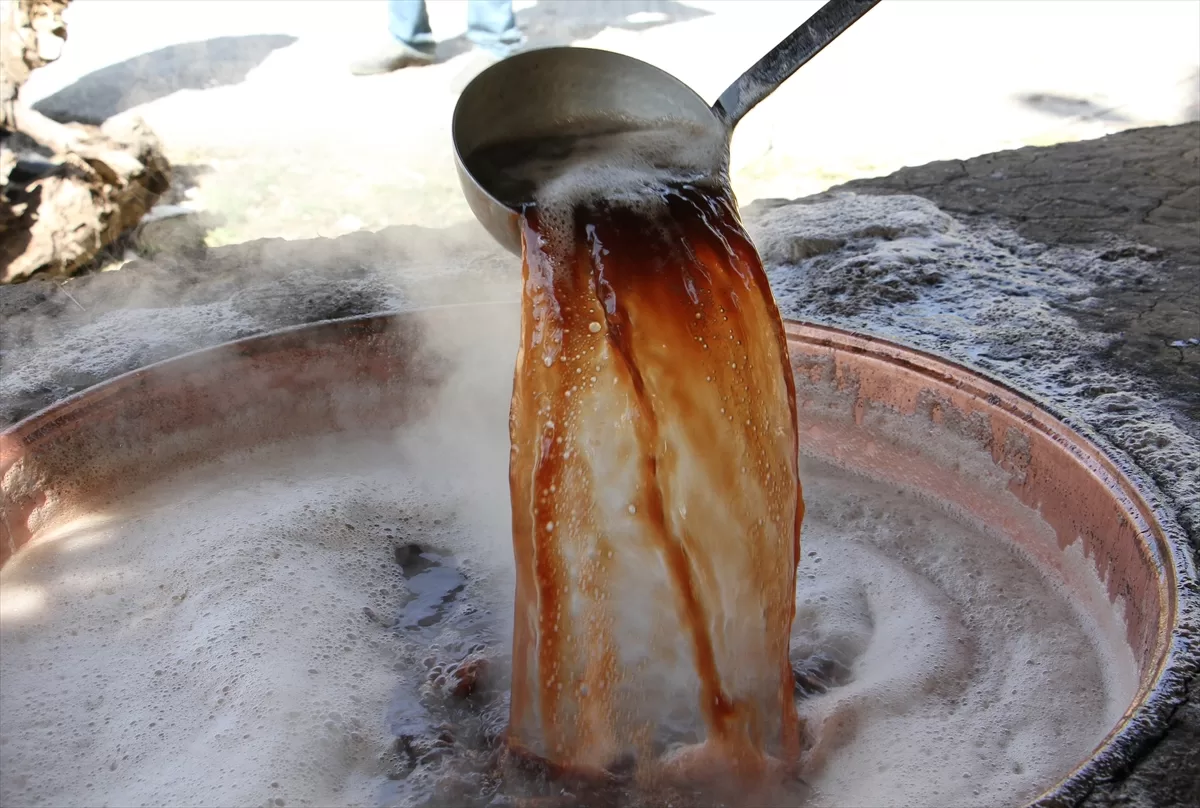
{"points": [[254, 103]]}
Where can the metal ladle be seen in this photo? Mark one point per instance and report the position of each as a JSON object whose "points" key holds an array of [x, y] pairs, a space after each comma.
{"points": [[538, 93]]}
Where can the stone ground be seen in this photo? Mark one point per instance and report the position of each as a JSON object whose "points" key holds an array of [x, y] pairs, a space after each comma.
{"points": [[1071, 271], [1144, 187]]}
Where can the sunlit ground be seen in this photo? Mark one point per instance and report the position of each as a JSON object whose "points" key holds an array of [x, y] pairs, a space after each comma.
{"points": [[254, 99]]}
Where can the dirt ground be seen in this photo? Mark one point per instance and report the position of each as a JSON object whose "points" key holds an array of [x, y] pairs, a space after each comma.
{"points": [[274, 138]]}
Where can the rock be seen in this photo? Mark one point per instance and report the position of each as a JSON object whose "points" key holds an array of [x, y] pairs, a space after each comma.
{"points": [[172, 230], [66, 191], [1133, 194], [32, 33], [58, 221]]}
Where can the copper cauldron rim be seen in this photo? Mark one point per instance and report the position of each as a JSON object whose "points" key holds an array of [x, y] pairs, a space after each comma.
{"points": [[1178, 656]]}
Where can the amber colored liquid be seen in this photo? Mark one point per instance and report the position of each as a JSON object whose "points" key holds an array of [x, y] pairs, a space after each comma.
{"points": [[655, 498]]}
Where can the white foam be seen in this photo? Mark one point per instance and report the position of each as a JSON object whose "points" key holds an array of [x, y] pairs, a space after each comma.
{"points": [[974, 681], [204, 642], [633, 162], [1104, 620]]}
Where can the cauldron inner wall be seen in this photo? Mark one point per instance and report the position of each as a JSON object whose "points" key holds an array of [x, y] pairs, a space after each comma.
{"points": [[1057, 482], [149, 423]]}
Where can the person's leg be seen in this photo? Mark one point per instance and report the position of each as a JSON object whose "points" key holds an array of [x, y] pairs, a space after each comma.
{"points": [[408, 22], [492, 26], [411, 41]]}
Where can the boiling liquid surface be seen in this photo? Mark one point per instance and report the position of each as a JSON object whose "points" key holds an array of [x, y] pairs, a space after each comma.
{"points": [[236, 635], [204, 641], [632, 251]]}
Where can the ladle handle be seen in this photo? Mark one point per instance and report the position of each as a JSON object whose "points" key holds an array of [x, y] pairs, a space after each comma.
{"points": [[826, 25]]}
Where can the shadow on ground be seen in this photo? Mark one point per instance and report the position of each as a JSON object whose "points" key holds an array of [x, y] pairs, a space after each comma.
{"points": [[189, 66], [549, 24], [1064, 106]]}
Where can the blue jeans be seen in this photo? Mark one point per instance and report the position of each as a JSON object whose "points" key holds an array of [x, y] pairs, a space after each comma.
{"points": [[490, 24]]}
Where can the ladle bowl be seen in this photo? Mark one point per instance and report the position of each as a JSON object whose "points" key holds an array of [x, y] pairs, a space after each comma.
{"points": [[540, 93], [373, 372]]}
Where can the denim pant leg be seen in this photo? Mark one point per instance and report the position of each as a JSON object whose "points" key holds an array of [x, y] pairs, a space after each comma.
{"points": [[492, 26], [408, 21]]}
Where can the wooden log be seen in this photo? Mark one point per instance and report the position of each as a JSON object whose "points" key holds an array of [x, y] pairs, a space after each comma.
{"points": [[57, 213]]}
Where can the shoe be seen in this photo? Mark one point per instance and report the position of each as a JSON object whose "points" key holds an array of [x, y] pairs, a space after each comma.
{"points": [[392, 56]]}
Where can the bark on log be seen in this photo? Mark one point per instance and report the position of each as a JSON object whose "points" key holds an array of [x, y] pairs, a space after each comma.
{"points": [[57, 213], [32, 33]]}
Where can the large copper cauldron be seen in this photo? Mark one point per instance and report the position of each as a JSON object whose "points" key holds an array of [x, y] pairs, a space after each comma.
{"points": [[382, 371]]}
